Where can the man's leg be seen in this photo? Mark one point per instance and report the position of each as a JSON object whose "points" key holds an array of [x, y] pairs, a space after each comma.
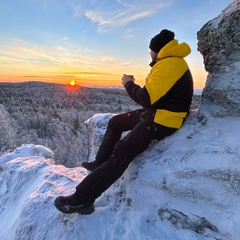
{"points": [[116, 126], [105, 175], [124, 152]]}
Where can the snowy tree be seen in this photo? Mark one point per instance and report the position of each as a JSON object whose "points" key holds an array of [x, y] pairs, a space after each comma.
{"points": [[7, 134]]}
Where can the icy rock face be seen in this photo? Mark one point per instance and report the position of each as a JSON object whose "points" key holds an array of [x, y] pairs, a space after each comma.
{"points": [[219, 43], [192, 187], [186, 186], [96, 130], [96, 126]]}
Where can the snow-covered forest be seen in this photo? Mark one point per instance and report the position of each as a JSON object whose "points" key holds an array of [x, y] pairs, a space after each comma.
{"points": [[53, 115]]}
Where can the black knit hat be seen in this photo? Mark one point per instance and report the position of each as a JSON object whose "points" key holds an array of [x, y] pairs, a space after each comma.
{"points": [[160, 40]]}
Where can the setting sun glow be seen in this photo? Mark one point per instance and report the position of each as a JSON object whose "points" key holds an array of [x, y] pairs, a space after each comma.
{"points": [[72, 83]]}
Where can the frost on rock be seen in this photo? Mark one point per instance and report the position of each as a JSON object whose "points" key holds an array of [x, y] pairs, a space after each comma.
{"points": [[171, 191], [96, 127], [29, 182], [219, 43], [27, 150]]}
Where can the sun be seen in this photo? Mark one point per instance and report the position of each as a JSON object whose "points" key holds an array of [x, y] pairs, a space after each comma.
{"points": [[72, 83]]}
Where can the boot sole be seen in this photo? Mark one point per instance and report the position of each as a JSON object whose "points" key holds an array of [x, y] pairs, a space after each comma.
{"points": [[82, 209]]}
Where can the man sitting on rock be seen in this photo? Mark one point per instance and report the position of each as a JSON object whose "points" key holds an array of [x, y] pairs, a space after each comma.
{"points": [[166, 98]]}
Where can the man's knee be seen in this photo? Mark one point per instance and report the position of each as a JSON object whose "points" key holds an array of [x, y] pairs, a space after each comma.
{"points": [[114, 122], [116, 165], [115, 119]]}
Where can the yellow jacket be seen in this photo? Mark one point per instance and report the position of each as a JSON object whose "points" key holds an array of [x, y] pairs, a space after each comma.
{"points": [[169, 86]]}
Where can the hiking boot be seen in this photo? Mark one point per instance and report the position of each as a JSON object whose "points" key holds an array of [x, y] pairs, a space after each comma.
{"points": [[69, 204], [90, 166]]}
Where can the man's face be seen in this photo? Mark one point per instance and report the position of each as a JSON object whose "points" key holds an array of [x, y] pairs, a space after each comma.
{"points": [[153, 55]]}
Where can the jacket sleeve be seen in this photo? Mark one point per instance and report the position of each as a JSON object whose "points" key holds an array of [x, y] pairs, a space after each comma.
{"points": [[138, 94]]}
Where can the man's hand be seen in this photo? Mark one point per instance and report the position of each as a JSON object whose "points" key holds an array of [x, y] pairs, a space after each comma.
{"points": [[127, 78]]}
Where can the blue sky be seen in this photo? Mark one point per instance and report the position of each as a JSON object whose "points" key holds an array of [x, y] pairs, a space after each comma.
{"points": [[95, 42]]}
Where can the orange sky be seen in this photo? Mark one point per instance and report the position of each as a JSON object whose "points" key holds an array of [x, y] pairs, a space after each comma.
{"points": [[94, 79], [95, 42], [24, 61]]}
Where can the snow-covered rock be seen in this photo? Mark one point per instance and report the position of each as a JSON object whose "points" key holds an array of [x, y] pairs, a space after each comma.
{"points": [[185, 187], [28, 184], [96, 127], [219, 43], [28, 150]]}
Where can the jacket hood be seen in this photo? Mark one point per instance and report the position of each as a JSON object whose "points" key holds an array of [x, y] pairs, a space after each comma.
{"points": [[174, 49]]}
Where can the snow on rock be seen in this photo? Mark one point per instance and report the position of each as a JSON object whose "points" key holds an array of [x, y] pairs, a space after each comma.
{"points": [[29, 182], [219, 43], [96, 126], [27, 150], [185, 187]]}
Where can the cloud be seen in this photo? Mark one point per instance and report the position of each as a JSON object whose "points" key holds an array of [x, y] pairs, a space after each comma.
{"points": [[61, 60], [97, 17], [63, 39], [108, 15], [115, 20], [91, 73]]}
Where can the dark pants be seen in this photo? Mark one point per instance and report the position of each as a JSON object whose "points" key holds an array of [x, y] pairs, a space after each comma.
{"points": [[114, 155]]}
